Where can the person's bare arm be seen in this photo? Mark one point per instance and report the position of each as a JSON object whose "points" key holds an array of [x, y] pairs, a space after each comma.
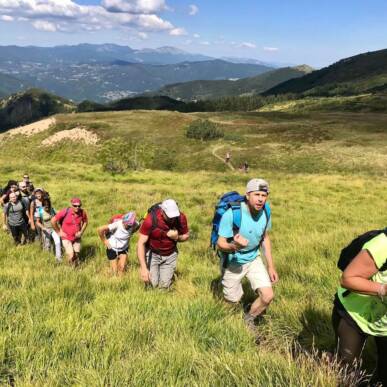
{"points": [[5, 220], [356, 277], [141, 243], [39, 224], [83, 228], [183, 237], [174, 235], [266, 244], [31, 217], [228, 247], [55, 225], [102, 234]]}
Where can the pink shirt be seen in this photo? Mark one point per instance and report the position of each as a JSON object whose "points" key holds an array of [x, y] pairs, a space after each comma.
{"points": [[71, 223]]}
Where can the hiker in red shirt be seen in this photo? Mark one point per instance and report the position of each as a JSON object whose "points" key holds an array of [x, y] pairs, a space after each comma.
{"points": [[70, 224], [162, 229]]}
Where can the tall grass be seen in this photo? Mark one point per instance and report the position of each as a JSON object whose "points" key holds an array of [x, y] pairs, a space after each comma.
{"points": [[60, 326]]}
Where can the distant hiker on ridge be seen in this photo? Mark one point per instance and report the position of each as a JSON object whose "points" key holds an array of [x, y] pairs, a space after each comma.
{"points": [[163, 227], [240, 249], [70, 224]]}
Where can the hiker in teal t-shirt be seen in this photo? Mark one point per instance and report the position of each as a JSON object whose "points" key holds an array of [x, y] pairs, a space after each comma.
{"points": [[242, 251]]}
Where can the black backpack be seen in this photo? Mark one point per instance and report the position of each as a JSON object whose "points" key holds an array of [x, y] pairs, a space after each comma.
{"points": [[349, 252]]}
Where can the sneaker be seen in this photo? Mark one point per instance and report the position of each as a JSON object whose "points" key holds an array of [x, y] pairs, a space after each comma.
{"points": [[249, 321]]}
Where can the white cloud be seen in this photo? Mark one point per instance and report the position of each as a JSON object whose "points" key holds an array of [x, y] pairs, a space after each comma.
{"points": [[247, 45], [43, 25], [193, 9], [134, 6], [7, 18], [142, 35], [67, 15], [178, 32], [205, 43], [196, 36], [270, 49]]}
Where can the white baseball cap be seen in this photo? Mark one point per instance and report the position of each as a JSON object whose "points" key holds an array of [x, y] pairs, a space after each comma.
{"points": [[170, 208], [257, 185]]}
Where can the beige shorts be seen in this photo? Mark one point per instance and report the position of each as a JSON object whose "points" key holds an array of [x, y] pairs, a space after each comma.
{"points": [[256, 273], [71, 247]]}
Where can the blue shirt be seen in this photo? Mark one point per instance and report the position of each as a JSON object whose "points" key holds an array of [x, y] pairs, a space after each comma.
{"points": [[251, 229]]}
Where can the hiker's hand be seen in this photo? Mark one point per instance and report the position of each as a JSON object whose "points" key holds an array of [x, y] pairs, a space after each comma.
{"points": [[78, 234], [145, 275], [107, 244], [240, 241], [33, 226], [173, 234], [273, 275], [62, 234]]}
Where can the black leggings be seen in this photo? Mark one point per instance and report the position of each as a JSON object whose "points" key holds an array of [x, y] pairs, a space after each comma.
{"points": [[350, 341], [18, 231]]}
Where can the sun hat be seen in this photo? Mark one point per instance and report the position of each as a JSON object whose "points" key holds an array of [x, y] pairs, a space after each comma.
{"points": [[257, 185], [170, 208]]}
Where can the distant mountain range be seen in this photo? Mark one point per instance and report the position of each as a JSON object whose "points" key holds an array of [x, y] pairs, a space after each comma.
{"points": [[108, 72], [96, 53], [362, 73], [198, 90]]}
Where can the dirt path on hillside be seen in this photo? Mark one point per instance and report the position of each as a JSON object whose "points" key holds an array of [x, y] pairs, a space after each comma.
{"points": [[216, 148], [31, 129], [232, 123]]}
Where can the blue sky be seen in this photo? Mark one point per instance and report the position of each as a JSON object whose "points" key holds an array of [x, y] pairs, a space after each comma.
{"points": [[287, 31]]}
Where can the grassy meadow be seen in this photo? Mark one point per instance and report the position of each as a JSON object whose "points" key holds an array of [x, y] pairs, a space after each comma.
{"points": [[62, 326]]}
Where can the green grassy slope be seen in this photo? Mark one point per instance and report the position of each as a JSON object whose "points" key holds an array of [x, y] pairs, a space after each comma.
{"points": [[81, 327], [333, 142], [223, 88], [349, 76]]}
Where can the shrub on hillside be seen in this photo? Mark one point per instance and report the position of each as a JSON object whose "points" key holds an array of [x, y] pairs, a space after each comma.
{"points": [[204, 130], [117, 156]]}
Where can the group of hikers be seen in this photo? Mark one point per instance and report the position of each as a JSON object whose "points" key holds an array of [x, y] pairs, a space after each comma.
{"points": [[240, 235]]}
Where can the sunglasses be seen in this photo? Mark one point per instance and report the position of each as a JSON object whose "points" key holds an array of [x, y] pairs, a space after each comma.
{"points": [[77, 205]]}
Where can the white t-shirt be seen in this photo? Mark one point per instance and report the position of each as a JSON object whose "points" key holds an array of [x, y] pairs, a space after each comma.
{"points": [[119, 240]]}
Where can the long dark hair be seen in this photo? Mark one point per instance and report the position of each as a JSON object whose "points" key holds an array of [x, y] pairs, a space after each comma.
{"points": [[8, 186], [46, 202]]}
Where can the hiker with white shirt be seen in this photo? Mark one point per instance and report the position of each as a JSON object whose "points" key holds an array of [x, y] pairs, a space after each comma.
{"points": [[116, 236]]}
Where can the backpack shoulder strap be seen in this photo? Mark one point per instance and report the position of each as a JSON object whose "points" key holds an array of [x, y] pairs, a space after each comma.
{"points": [[40, 210], [153, 214], [65, 215], [236, 217], [267, 212]]}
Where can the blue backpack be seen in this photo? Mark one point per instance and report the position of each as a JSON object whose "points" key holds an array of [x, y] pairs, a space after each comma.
{"points": [[232, 200]]}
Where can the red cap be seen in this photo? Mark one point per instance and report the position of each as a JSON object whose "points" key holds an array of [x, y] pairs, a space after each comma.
{"points": [[76, 201]]}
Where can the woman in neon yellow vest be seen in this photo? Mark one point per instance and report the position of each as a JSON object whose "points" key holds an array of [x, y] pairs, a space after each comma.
{"points": [[362, 311]]}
